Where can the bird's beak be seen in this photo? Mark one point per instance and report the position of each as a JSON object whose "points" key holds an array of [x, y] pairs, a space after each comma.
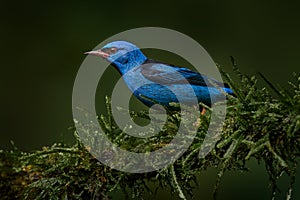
{"points": [[98, 53]]}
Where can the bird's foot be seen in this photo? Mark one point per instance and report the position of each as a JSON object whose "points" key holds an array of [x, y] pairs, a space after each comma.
{"points": [[197, 123]]}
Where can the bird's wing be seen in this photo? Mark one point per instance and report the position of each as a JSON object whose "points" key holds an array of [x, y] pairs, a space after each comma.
{"points": [[168, 74]]}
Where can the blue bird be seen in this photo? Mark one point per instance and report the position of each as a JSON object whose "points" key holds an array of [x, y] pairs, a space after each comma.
{"points": [[159, 79]]}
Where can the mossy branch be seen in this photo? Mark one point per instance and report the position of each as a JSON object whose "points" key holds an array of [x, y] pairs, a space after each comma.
{"points": [[258, 125]]}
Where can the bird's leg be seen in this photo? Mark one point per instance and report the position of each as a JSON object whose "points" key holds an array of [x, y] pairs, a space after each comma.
{"points": [[203, 111], [197, 123]]}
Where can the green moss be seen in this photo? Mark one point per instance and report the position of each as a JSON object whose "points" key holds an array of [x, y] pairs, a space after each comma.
{"points": [[258, 125]]}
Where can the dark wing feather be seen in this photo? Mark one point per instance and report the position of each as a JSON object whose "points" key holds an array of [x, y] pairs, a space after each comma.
{"points": [[163, 73]]}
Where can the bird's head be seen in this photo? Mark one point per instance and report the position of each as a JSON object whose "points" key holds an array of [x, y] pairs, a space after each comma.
{"points": [[123, 55]]}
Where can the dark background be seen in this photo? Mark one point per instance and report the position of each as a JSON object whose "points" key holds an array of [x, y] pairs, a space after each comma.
{"points": [[42, 45]]}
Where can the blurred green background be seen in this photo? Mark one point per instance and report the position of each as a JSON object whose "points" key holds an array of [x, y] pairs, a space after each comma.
{"points": [[42, 45]]}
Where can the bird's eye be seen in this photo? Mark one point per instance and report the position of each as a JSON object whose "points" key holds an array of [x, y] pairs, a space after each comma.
{"points": [[110, 51], [113, 50]]}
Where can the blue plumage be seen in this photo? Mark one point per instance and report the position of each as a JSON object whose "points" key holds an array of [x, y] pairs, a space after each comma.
{"points": [[159, 79]]}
